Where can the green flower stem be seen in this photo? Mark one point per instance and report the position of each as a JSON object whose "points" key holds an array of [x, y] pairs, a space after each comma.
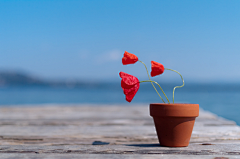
{"points": [[176, 86], [158, 86], [152, 83]]}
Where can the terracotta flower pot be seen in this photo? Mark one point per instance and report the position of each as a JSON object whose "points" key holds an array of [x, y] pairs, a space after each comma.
{"points": [[174, 123]]}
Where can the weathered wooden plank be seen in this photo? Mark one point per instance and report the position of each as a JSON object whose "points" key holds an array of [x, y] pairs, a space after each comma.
{"points": [[100, 131]]}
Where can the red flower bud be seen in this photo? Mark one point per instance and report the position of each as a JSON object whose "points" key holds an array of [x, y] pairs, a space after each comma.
{"points": [[129, 58], [157, 68], [130, 85]]}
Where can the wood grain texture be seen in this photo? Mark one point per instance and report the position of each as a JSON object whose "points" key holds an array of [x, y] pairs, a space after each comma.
{"points": [[105, 131]]}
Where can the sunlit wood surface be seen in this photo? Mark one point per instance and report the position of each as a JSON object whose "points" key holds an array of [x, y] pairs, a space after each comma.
{"points": [[106, 131]]}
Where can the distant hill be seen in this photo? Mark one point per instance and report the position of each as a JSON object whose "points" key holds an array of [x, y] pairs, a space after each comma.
{"points": [[14, 78]]}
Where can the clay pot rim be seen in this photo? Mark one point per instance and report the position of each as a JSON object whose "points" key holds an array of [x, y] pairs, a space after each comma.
{"points": [[171, 104], [174, 110]]}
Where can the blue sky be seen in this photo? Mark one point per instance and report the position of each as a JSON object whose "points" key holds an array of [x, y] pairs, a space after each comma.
{"points": [[85, 39]]}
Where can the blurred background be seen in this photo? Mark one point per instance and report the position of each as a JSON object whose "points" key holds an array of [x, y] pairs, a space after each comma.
{"points": [[69, 51]]}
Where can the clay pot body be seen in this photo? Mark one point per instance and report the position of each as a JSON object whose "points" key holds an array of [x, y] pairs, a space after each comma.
{"points": [[174, 123]]}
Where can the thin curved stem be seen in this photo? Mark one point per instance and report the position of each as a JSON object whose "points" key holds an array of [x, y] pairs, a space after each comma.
{"points": [[158, 86], [151, 82], [176, 86]]}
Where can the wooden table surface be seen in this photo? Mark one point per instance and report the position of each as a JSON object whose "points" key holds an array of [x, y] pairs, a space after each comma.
{"points": [[106, 131]]}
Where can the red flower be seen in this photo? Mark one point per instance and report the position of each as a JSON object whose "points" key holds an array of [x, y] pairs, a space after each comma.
{"points": [[130, 85], [157, 68], [129, 58]]}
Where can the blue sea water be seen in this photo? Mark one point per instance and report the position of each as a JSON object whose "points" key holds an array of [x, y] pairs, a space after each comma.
{"points": [[222, 100]]}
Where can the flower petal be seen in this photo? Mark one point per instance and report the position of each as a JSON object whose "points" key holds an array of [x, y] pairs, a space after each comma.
{"points": [[157, 68], [129, 58], [128, 80], [130, 93], [130, 85]]}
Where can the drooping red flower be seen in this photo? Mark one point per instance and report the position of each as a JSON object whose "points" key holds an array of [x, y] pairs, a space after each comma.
{"points": [[130, 85], [157, 68], [129, 58]]}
